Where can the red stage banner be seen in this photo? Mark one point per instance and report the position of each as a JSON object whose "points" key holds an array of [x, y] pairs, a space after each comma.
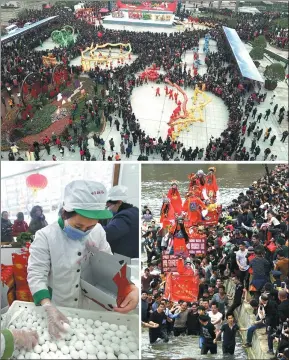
{"points": [[169, 6]]}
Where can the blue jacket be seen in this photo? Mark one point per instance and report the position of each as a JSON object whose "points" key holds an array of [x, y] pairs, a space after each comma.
{"points": [[122, 232]]}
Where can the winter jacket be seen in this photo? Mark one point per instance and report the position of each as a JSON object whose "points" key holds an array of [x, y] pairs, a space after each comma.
{"points": [[6, 230], [122, 232], [37, 224], [19, 227]]}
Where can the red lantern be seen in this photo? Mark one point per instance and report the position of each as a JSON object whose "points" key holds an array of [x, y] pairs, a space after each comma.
{"points": [[36, 182]]}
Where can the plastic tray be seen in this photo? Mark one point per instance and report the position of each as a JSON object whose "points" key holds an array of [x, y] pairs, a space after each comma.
{"points": [[131, 321]]}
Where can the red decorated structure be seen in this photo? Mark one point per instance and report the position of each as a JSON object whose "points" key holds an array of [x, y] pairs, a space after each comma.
{"points": [[156, 5]]}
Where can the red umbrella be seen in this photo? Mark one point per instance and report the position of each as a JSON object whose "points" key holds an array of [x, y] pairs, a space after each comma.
{"points": [[103, 10]]}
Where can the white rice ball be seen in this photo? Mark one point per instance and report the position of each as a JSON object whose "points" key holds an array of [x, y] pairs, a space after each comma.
{"points": [[105, 342], [74, 354], [95, 343], [27, 355], [89, 356], [89, 330], [34, 356], [111, 356], [53, 347], [97, 323], [80, 336], [82, 354], [101, 355], [105, 325], [131, 339], [131, 356], [115, 347], [105, 336], [101, 329], [113, 327], [129, 333], [120, 334], [101, 348], [45, 348], [20, 357], [124, 349], [58, 354], [37, 349], [123, 328], [122, 356], [78, 345], [60, 344], [115, 340], [90, 349], [73, 340], [90, 337], [82, 321], [98, 338], [132, 346], [89, 322], [64, 350]]}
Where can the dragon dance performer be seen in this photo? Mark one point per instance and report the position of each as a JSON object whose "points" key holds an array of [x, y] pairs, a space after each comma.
{"points": [[175, 198], [194, 207], [167, 213]]}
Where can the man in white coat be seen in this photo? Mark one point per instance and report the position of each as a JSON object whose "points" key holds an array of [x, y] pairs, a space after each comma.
{"points": [[62, 249]]}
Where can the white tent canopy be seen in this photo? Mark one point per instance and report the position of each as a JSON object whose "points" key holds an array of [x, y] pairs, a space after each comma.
{"points": [[248, 10]]}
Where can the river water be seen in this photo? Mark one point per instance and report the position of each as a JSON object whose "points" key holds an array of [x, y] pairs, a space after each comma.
{"points": [[156, 180]]}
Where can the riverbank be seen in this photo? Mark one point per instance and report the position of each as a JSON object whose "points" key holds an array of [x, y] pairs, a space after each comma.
{"points": [[245, 318]]}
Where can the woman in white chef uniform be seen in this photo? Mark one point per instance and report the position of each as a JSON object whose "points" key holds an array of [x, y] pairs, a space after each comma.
{"points": [[61, 250]]}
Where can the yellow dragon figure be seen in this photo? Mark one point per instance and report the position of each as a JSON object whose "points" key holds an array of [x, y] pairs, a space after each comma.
{"points": [[92, 54]]}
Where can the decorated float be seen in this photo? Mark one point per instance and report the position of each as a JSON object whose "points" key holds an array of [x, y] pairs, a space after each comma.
{"points": [[184, 222]]}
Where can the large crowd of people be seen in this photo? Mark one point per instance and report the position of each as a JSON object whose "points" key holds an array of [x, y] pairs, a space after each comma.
{"points": [[222, 78], [248, 247]]}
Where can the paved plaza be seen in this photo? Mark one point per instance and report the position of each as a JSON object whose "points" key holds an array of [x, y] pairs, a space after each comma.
{"points": [[154, 112]]}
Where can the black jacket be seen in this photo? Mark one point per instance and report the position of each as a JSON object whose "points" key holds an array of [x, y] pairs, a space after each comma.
{"points": [[37, 224], [283, 310], [122, 232], [6, 230], [271, 314]]}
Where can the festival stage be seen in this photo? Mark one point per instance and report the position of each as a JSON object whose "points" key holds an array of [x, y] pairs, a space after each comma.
{"points": [[126, 20]]}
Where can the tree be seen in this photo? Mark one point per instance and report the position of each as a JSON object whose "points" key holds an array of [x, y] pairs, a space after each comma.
{"points": [[260, 42], [275, 72], [257, 53]]}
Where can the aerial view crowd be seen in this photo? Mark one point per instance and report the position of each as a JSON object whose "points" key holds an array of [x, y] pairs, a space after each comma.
{"points": [[245, 265], [110, 103]]}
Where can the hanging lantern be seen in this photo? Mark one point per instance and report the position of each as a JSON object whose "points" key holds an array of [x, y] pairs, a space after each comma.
{"points": [[36, 182]]}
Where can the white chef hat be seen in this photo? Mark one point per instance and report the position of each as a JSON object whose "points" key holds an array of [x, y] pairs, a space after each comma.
{"points": [[86, 198], [117, 193]]}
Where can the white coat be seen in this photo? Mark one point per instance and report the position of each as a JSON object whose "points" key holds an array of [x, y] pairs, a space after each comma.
{"points": [[55, 261]]}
